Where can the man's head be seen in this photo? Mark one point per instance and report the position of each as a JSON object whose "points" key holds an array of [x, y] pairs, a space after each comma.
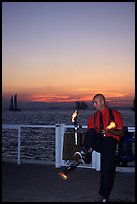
{"points": [[99, 102]]}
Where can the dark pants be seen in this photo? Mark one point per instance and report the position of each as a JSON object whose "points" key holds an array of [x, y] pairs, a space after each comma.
{"points": [[107, 147]]}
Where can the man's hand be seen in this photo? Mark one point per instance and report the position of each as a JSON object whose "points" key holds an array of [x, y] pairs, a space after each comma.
{"points": [[115, 131]]}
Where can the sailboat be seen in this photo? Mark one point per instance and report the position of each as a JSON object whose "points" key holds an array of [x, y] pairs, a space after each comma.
{"points": [[13, 104], [81, 105]]}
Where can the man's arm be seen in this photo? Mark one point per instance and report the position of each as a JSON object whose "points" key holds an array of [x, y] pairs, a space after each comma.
{"points": [[119, 130]]}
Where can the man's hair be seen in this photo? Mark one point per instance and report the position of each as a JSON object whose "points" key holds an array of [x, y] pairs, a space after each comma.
{"points": [[100, 96]]}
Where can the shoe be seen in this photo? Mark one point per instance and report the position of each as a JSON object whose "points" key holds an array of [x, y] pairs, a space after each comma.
{"points": [[104, 200], [79, 157]]}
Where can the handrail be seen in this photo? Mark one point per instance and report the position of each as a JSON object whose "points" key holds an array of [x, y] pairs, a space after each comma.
{"points": [[14, 126], [23, 126]]}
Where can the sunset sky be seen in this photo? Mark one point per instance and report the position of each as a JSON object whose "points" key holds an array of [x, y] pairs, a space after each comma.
{"points": [[68, 51]]}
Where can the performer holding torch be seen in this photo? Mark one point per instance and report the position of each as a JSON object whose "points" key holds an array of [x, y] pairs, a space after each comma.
{"points": [[105, 128]]}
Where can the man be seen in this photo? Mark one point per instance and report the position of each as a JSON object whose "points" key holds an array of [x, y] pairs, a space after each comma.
{"points": [[103, 138]]}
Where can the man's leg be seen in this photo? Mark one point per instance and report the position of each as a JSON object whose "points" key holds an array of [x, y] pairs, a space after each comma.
{"points": [[107, 166], [91, 140]]}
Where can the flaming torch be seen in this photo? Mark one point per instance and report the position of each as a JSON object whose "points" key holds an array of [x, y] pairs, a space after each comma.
{"points": [[111, 126], [74, 121], [64, 173]]}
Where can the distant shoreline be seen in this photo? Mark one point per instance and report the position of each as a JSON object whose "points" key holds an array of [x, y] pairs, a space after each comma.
{"points": [[68, 108]]}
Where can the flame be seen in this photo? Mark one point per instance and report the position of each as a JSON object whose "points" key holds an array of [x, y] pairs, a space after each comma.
{"points": [[112, 125], [74, 115], [62, 175]]}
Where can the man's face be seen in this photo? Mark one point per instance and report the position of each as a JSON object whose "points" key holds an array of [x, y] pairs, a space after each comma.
{"points": [[98, 104]]}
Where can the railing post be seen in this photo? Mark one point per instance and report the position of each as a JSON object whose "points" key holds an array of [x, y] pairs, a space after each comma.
{"points": [[19, 138], [96, 160], [93, 159], [59, 138]]}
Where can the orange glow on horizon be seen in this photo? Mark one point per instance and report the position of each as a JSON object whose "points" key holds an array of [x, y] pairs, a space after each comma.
{"points": [[66, 94], [69, 98]]}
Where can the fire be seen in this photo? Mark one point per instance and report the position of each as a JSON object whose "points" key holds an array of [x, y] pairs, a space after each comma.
{"points": [[62, 175], [112, 125], [74, 115]]}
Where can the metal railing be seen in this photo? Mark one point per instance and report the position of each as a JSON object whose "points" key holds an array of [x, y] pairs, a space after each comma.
{"points": [[59, 139], [19, 128]]}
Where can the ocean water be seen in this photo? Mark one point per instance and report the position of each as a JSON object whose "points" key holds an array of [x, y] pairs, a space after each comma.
{"points": [[39, 143]]}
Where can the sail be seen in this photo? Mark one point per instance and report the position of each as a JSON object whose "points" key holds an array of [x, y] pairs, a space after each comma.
{"points": [[15, 101], [11, 104]]}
